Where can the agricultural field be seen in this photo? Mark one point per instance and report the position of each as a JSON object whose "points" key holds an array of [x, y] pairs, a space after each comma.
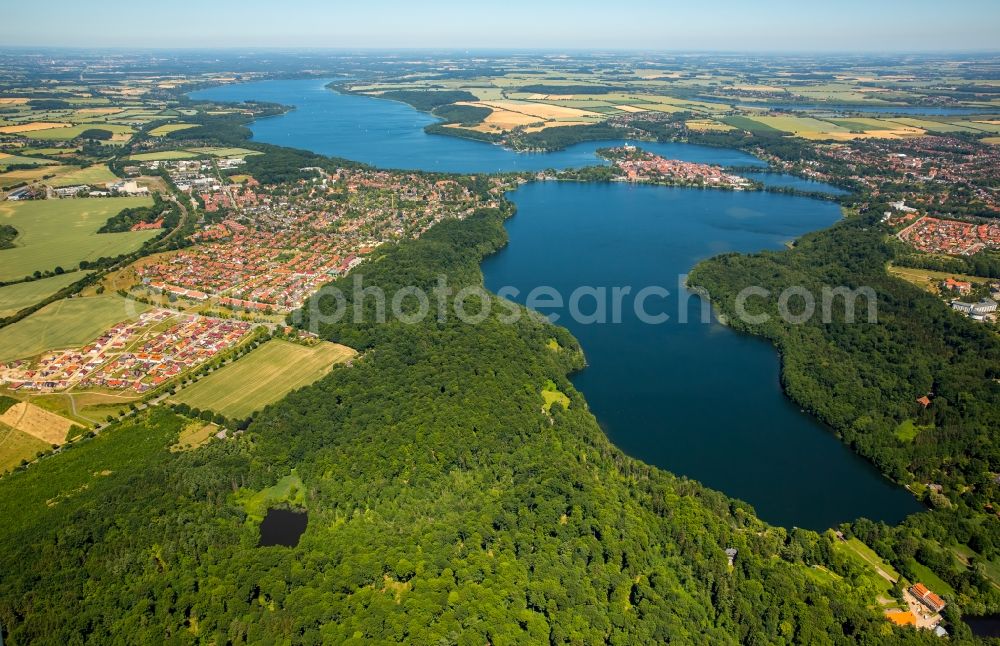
{"points": [[64, 324], [98, 174], [61, 233], [163, 155], [121, 133], [263, 377], [16, 446], [840, 130], [7, 160], [215, 151], [16, 297], [37, 422], [30, 175], [32, 127], [160, 131]]}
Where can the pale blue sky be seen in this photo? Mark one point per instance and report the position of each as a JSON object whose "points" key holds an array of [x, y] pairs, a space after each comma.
{"points": [[743, 25]]}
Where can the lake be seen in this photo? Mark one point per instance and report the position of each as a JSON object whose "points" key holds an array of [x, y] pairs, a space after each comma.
{"points": [[697, 399], [282, 527]]}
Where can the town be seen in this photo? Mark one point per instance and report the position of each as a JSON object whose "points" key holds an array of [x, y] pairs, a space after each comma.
{"points": [[637, 165]]}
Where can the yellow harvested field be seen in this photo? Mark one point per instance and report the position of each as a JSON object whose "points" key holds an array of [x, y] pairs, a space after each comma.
{"points": [[542, 111], [93, 111], [631, 108], [13, 100], [31, 127], [705, 125], [992, 140], [37, 422], [817, 129]]}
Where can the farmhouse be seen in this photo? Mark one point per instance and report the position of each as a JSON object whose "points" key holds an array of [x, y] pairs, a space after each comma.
{"points": [[928, 598], [960, 286]]}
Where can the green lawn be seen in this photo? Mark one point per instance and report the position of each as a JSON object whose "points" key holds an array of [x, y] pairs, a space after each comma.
{"points": [[14, 298], [61, 233], [64, 324], [263, 377], [931, 580]]}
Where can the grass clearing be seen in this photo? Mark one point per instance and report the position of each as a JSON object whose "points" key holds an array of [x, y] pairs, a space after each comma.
{"points": [[907, 431], [263, 377], [67, 323], [61, 233], [14, 298], [928, 279], [552, 395], [289, 489], [194, 435]]}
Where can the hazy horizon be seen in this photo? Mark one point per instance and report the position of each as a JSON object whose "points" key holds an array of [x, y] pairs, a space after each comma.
{"points": [[730, 26]]}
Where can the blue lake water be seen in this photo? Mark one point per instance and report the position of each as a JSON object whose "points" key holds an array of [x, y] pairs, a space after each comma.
{"points": [[388, 134], [785, 180], [697, 399]]}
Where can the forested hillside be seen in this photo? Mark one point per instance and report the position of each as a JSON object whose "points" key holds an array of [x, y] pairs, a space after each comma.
{"points": [[865, 379], [445, 506]]}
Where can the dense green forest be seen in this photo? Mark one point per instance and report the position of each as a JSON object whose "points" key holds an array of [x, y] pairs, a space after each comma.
{"points": [[427, 100], [445, 506], [864, 379], [7, 235]]}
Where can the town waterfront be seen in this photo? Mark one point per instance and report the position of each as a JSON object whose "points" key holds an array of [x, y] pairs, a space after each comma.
{"points": [[697, 399]]}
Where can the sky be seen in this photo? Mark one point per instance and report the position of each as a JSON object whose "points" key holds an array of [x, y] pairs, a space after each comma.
{"points": [[667, 25]]}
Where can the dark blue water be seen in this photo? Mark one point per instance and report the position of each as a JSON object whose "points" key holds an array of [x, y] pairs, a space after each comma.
{"points": [[988, 626], [391, 135], [697, 399], [282, 527], [783, 180]]}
